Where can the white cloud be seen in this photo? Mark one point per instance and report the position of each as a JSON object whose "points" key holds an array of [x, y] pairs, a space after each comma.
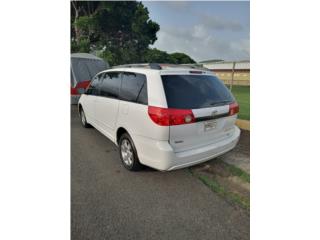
{"points": [[242, 47], [219, 23], [199, 44], [199, 31]]}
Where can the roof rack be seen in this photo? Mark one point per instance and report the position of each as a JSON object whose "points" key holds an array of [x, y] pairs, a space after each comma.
{"points": [[162, 66], [140, 65], [192, 66]]}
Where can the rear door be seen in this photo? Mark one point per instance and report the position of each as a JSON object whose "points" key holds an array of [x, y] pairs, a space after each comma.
{"points": [[134, 99], [209, 100]]}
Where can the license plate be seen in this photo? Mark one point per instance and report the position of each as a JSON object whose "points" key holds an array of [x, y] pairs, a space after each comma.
{"points": [[210, 125]]}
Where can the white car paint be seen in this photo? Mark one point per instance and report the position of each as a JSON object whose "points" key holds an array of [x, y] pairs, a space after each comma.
{"points": [[161, 147]]}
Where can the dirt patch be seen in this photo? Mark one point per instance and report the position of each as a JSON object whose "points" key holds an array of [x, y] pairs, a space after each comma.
{"points": [[228, 181], [244, 143], [240, 155]]}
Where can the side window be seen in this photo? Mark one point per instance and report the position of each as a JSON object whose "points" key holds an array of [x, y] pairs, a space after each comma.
{"points": [[94, 85], [143, 96], [134, 88], [110, 85]]}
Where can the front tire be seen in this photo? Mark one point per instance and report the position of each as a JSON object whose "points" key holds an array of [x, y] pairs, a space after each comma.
{"points": [[128, 153], [83, 119]]}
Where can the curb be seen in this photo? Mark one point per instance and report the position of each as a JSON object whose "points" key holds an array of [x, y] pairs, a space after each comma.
{"points": [[243, 124]]}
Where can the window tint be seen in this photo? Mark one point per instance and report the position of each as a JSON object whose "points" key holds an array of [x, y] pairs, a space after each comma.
{"points": [[110, 85], [134, 88], [195, 91], [94, 85], [143, 96]]}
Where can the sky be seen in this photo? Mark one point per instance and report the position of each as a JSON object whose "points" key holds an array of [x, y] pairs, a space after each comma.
{"points": [[203, 30]]}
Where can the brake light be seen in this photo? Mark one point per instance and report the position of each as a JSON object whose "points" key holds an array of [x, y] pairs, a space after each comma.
{"points": [[170, 116], [233, 108]]}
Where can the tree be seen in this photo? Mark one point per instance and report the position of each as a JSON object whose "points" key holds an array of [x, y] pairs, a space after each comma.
{"points": [[120, 31], [182, 58], [158, 56], [80, 13]]}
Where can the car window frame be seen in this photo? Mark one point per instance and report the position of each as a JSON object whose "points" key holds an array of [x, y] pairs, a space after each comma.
{"points": [[102, 79], [140, 90], [98, 77]]}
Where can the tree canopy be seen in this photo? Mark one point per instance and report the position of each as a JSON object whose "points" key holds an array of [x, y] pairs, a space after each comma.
{"points": [[119, 32], [158, 56]]}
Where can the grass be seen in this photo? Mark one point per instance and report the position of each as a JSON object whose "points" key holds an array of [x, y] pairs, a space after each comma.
{"points": [[221, 191], [219, 177], [242, 94], [235, 171]]}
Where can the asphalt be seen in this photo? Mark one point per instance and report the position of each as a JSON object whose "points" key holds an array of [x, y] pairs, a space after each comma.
{"points": [[109, 202]]}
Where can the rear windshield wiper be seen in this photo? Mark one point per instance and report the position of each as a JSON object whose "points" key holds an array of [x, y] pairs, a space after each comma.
{"points": [[219, 103]]}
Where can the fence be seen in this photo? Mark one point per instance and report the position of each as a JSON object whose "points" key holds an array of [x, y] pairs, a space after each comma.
{"points": [[241, 78], [231, 73]]}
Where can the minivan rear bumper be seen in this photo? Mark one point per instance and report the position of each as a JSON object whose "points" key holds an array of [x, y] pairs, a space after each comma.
{"points": [[160, 155]]}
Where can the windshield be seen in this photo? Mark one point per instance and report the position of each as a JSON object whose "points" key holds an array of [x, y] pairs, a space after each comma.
{"points": [[195, 91], [86, 69]]}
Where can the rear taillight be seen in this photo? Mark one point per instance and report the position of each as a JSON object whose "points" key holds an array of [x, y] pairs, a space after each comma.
{"points": [[170, 116], [233, 108]]}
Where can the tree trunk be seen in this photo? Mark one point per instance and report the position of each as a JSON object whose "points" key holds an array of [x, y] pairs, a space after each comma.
{"points": [[76, 29]]}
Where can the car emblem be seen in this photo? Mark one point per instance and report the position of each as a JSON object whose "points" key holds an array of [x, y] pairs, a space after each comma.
{"points": [[214, 113]]}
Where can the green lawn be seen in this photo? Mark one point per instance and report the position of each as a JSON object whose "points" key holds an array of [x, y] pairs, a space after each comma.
{"points": [[242, 94]]}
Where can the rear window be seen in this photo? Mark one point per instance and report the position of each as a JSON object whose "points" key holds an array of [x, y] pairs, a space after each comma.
{"points": [[195, 91], [85, 69]]}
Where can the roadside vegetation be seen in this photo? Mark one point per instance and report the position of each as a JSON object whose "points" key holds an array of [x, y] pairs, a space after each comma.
{"points": [[118, 32], [242, 94], [228, 181]]}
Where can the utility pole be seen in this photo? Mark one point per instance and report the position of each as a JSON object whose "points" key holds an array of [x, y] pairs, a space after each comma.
{"points": [[232, 75]]}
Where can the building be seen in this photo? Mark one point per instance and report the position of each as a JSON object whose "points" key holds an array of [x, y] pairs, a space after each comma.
{"points": [[224, 69]]}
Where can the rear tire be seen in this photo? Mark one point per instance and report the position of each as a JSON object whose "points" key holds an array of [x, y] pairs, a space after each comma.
{"points": [[83, 119], [128, 153]]}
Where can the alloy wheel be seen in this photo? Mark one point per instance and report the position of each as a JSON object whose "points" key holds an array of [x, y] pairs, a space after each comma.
{"points": [[127, 152]]}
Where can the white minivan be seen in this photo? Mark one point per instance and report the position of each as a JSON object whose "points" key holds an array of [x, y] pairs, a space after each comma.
{"points": [[164, 116]]}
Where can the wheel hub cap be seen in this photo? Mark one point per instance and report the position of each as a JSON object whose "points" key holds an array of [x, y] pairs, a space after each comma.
{"points": [[126, 152]]}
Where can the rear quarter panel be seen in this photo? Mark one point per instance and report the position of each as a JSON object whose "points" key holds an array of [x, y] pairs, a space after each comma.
{"points": [[156, 94], [135, 119]]}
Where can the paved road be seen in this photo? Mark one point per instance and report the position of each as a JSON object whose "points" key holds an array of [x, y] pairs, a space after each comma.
{"points": [[109, 202]]}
